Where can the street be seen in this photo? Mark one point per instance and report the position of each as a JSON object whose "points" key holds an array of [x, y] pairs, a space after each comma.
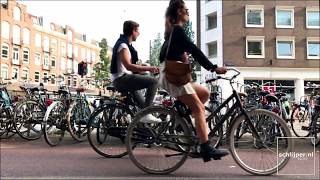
{"points": [[71, 160]]}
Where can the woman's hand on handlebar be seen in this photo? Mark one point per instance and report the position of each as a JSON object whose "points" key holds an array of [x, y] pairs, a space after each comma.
{"points": [[153, 69], [220, 70]]}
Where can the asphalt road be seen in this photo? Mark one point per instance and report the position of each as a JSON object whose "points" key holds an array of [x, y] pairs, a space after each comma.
{"points": [[22, 159]]}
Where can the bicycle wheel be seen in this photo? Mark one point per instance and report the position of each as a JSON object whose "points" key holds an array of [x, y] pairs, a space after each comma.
{"points": [[28, 116], [54, 123], [260, 156], [315, 130], [77, 117], [159, 148], [107, 130], [300, 122], [6, 124]]}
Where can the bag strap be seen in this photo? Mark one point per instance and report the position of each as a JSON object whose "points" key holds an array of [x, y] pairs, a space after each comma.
{"points": [[169, 43]]}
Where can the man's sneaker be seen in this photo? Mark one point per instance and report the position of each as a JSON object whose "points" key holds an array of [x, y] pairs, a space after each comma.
{"points": [[150, 119]]}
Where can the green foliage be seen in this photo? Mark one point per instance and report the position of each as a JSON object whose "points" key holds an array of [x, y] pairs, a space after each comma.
{"points": [[155, 51], [102, 69]]}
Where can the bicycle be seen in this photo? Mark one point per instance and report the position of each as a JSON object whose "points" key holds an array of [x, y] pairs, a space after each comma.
{"points": [[108, 124], [177, 137]]}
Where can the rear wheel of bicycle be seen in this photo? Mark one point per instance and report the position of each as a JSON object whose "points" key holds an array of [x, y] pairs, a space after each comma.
{"points": [[260, 156], [158, 148], [315, 130], [6, 124], [300, 122], [77, 117], [107, 130], [55, 124], [28, 116]]}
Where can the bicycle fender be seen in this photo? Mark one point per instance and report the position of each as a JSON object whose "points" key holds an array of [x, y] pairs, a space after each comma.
{"points": [[46, 116]]}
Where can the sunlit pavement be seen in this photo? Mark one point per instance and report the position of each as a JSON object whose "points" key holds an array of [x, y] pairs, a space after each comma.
{"points": [[71, 160]]}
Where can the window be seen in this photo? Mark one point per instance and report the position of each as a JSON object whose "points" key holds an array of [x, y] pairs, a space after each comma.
{"points": [[88, 70], [69, 81], [46, 44], [53, 46], [38, 40], [69, 35], [75, 52], [53, 79], [88, 55], [37, 76], [5, 29], [45, 76], [93, 54], [37, 59], [255, 47], [63, 64], [16, 13], [25, 74], [74, 82], [16, 34], [4, 71], [75, 67], [212, 21], [25, 55], [15, 56], [284, 17], [313, 48], [53, 62], [313, 17], [15, 73], [46, 61], [212, 49], [69, 66], [83, 53], [4, 51], [26, 36], [63, 49], [285, 47], [69, 50], [254, 16]]}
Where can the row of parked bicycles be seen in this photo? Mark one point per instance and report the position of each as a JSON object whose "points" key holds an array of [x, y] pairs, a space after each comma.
{"points": [[252, 124]]}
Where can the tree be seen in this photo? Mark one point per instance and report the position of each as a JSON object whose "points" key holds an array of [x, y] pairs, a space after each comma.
{"points": [[155, 51], [194, 64], [102, 69]]}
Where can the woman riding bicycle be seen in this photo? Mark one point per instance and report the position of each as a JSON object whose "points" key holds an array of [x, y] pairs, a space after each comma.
{"points": [[191, 94]]}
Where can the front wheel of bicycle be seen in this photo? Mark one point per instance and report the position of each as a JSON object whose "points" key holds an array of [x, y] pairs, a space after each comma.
{"points": [[54, 123], [300, 122], [158, 148], [260, 156]]}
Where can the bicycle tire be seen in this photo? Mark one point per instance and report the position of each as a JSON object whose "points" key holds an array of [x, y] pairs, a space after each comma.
{"points": [[296, 124], [23, 118], [262, 119], [53, 127], [134, 134], [104, 131], [315, 130]]}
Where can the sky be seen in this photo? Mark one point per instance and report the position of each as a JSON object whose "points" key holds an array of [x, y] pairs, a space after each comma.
{"points": [[104, 19]]}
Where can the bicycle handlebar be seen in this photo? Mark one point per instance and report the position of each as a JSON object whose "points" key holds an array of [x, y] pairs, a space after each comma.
{"points": [[225, 78]]}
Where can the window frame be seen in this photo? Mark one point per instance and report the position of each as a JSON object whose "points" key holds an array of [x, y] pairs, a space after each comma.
{"points": [[285, 38], [4, 66], [312, 39], [16, 68], [255, 39], [23, 59], [8, 51], [311, 9], [15, 61], [291, 8], [22, 73], [213, 14], [254, 7], [39, 75]]}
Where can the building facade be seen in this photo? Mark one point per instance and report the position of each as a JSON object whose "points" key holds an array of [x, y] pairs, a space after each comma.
{"points": [[268, 41], [31, 51]]}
